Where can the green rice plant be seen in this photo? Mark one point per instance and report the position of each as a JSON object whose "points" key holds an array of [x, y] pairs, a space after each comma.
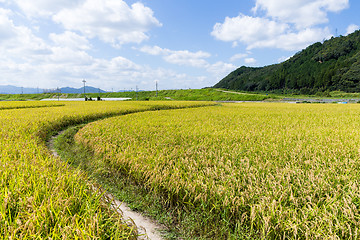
{"points": [[249, 170]]}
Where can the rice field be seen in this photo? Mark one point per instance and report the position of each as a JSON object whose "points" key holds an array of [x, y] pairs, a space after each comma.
{"points": [[247, 170], [17, 105], [41, 197]]}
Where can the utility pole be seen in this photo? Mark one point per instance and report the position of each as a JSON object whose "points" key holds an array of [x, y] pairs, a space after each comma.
{"points": [[136, 92], [156, 86], [84, 88]]}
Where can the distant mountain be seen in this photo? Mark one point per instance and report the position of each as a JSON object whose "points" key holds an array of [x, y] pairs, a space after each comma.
{"points": [[332, 65], [88, 89], [9, 89]]}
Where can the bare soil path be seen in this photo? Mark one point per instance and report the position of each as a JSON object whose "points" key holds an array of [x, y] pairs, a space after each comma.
{"points": [[147, 228]]}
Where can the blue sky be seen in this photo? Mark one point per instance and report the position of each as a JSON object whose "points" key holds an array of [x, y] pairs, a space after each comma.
{"points": [[121, 44]]}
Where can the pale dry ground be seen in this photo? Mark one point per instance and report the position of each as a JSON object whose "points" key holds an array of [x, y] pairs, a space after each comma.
{"points": [[225, 91], [147, 228]]}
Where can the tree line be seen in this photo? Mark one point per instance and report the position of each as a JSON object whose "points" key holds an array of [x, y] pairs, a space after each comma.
{"points": [[328, 66]]}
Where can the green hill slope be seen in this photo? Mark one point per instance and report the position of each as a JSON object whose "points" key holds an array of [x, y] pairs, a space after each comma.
{"points": [[332, 65]]}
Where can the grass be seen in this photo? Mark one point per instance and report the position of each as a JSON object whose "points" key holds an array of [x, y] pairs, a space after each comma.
{"points": [[242, 171], [24, 97], [207, 94], [163, 95], [319, 95]]}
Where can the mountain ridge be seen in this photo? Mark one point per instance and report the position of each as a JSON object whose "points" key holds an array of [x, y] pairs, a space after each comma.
{"points": [[10, 89], [328, 66]]}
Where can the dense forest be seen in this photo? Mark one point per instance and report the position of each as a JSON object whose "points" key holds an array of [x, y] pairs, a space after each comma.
{"points": [[328, 66]]}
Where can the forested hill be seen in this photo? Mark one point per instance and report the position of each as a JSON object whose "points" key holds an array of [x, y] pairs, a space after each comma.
{"points": [[333, 65]]}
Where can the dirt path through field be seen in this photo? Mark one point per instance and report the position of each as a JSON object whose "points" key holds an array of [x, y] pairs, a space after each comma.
{"points": [[147, 228], [225, 91]]}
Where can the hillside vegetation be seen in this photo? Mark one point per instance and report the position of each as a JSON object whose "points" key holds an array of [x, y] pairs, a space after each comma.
{"points": [[332, 65]]}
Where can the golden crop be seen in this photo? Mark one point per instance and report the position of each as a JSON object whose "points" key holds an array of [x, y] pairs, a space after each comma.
{"points": [[41, 197], [268, 170], [23, 104]]}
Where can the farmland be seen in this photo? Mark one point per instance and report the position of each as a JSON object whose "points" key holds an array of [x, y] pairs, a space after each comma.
{"points": [[249, 170], [240, 171], [42, 197]]}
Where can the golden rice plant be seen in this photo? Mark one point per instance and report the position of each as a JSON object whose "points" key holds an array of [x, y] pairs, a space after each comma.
{"points": [[269, 170], [41, 197], [31, 104]]}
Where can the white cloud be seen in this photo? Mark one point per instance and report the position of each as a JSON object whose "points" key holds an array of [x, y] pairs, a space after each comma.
{"points": [[260, 33], [221, 69], [194, 59], [250, 60], [65, 56], [44, 8], [302, 13], [238, 56], [293, 41], [283, 59], [182, 57], [28, 61], [188, 58], [299, 40], [247, 29], [7, 29], [155, 50], [112, 21], [352, 28], [287, 25], [235, 44], [185, 61], [18, 41], [70, 40]]}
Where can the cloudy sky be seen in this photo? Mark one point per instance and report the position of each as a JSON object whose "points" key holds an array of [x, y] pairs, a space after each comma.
{"points": [[121, 44]]}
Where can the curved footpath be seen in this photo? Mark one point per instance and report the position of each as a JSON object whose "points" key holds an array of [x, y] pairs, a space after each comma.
{"points": [[147, 228]]}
